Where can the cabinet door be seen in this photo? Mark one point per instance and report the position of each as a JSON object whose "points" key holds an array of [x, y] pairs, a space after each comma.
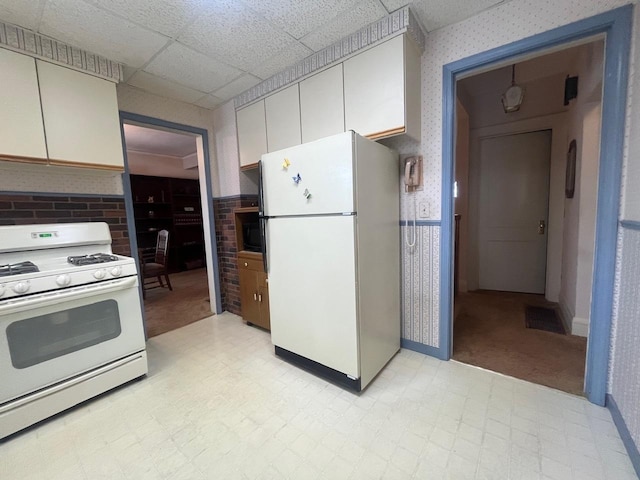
{"points": [[283, 119], [322, 104], [81, 118], [263, 300], [249, 296], [252, 133], [374, 96], [21, 130]]}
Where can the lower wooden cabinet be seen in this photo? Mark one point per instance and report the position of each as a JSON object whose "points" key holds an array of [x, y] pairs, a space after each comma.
{"points": [[254, 289]]}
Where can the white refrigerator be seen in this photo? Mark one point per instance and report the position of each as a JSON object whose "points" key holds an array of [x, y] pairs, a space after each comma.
{"points": [[330, 216]]}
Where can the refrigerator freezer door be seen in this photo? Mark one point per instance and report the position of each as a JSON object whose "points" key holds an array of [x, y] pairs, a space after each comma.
{"points": [[312, 290], [311, 179]]}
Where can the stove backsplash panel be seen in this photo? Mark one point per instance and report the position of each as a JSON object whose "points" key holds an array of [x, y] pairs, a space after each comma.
{"points": [[29, 209]]}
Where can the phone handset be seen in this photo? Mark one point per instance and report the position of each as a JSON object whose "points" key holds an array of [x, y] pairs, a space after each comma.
{"points": [[410, 172], [412, 182]]}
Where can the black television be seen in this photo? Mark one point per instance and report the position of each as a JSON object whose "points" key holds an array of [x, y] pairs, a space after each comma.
{"points": [[252, 240]]}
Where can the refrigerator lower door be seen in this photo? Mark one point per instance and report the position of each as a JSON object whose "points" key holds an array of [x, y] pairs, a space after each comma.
{"points": [[312, 289]]}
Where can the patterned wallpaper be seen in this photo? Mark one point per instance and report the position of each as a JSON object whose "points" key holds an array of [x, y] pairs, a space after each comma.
{"points": [[36, 45], [624, 374], [21, 177], [420, 272]]}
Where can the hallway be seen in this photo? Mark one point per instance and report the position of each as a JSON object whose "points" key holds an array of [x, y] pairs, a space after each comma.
{"points": [[489, 332]]}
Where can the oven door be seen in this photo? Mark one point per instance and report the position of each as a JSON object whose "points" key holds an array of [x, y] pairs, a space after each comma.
{"points": [[50, 337]]}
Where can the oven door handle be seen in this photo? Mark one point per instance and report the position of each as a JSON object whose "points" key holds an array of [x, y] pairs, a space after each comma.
{"points": [[75, 293]]}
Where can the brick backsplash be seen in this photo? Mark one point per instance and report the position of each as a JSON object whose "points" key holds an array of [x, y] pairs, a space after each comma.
{"points": [[30, 209], [227, 248]]}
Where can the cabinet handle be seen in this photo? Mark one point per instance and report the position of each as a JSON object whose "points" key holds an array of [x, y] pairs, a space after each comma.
{"points": [[246, 264], [255, 297], [260, 297]]}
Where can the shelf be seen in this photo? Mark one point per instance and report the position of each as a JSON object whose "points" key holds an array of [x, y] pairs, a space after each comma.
{"points": [[171, 196], [246, 210]]}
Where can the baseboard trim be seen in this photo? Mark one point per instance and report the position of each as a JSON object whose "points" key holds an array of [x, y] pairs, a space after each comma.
{"points": [[422, 348], [625, 434], [565, 315], [580, 327]]}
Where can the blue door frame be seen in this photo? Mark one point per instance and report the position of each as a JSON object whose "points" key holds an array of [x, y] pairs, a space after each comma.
{"points": [[126, 117], [617, 26]]}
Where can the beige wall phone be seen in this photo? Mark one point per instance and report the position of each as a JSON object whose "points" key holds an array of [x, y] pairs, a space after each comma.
{"points": [[412, 182], [412, 173]]}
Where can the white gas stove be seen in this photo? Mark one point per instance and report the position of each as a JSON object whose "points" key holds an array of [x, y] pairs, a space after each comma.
{"points": [[70, 320], [40, 258]]}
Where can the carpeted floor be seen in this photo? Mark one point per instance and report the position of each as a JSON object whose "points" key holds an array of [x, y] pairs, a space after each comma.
{"points": [[489, 332], [167, 310]]}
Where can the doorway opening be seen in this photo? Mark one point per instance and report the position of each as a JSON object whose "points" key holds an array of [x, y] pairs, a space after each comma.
{"points": [[169, 212], [525, 246]]}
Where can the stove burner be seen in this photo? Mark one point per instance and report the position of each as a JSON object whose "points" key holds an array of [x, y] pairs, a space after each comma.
{"points": [[17, 269], [91, 259]]}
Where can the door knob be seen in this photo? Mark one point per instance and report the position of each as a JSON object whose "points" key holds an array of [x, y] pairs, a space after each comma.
{"points": [[541, 227]]}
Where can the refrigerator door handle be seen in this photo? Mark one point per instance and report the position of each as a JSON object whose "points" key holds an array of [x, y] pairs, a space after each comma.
{"points": [[260, 190], [263, 235]]}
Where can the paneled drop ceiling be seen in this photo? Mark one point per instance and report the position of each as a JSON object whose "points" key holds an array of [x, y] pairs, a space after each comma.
{"points": [[205, 52]]}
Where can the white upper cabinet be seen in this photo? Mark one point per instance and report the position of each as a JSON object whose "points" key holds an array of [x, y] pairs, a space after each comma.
{"points": [[81, 118], [283, 119], [252, 133], [21, 131], [322, 104], [382, 90]]}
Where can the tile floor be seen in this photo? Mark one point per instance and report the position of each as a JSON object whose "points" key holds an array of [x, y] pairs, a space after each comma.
{"points": [[217, 404]]}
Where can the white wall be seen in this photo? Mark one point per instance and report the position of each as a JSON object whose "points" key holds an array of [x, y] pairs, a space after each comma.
{"points": [[579, 211], [232, 180], [134, 100], [159, 165]]}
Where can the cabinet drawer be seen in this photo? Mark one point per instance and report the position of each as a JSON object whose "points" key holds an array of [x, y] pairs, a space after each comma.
{"points": [[254, 264]]}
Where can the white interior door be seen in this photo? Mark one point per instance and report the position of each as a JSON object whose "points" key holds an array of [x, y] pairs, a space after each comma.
{"points": [[513, 209]]}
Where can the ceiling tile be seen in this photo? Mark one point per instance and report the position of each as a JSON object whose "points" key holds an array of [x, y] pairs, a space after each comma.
{"points": [[236, 87], [437, 13], [164, 88], [182, 65], [286, 58], [235, 35], [345, 24], [24, 14], [97, 31], [165, 16], [210, 102], [128, 72], [300, 17]]}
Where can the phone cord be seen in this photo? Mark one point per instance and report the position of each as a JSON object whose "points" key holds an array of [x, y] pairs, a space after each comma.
{"points": [[412, 243]]}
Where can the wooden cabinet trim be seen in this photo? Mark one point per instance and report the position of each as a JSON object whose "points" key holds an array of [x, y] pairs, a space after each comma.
{"points": [[386, 133], [95, 166], [19, 159]]}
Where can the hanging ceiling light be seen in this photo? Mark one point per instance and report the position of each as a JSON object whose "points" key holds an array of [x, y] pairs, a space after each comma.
{"points": [[513, 97]]}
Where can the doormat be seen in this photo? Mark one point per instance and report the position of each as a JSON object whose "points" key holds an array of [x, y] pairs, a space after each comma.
{"points": [[541, 318]]}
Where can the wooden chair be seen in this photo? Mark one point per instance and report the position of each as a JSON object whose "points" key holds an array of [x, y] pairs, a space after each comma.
{"points": [[153, 271]]}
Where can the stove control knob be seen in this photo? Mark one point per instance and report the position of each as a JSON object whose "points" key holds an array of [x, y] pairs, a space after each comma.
{"points": [[21, 287], [99, 274], [63, 280], [116, 271]]}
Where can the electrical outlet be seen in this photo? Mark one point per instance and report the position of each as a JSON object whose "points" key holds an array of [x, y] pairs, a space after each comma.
{"points": [[424, 210]]}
